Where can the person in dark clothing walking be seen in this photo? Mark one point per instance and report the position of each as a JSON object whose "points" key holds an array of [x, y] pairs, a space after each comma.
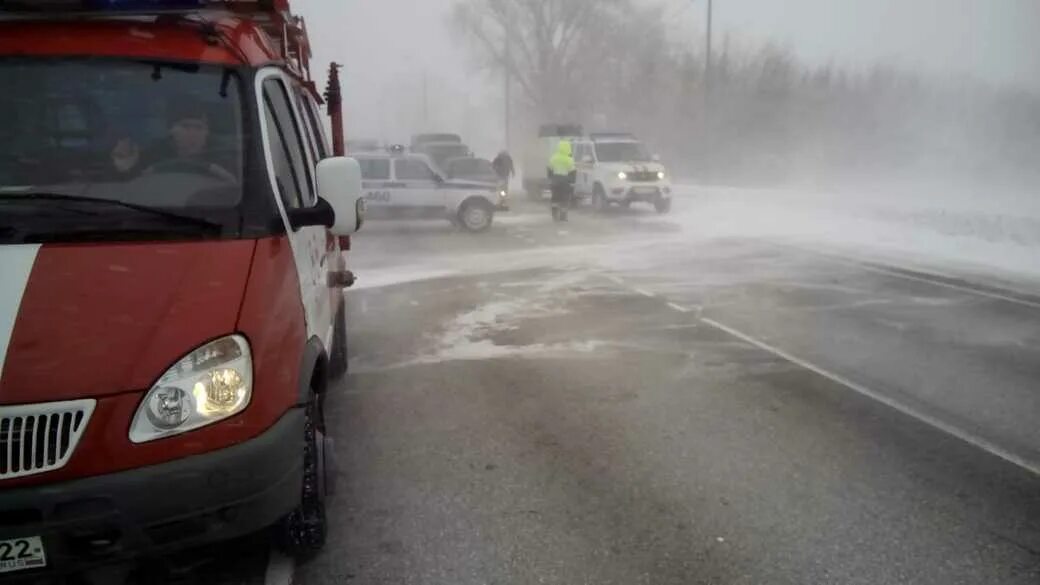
{"points": [[503, 165], [562, 175]]}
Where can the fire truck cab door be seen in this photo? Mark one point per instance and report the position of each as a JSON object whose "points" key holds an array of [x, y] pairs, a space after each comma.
{"points": [[291, 166]]}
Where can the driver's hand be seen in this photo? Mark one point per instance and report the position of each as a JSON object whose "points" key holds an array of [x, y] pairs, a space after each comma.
{"points": [[126, 155]]}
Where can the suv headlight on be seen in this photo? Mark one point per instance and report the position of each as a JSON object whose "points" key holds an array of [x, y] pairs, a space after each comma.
{"points": [[622, 175], [210, 384], [660, 175]]}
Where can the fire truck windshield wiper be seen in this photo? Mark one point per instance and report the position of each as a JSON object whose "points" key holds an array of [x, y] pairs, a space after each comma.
{"points": [[156, 212]]}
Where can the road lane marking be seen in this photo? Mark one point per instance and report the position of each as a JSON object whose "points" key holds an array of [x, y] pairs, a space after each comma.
{"points": [[680, 308], [949, 285], [645, 293], [280, 569], [868, 266], [969, 438]]}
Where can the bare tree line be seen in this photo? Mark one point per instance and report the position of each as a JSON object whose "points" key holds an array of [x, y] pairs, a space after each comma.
{"points": [[768, 118]]}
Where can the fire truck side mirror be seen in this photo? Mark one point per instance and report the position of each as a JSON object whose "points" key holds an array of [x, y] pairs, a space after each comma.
{"points": [[339, 183]]}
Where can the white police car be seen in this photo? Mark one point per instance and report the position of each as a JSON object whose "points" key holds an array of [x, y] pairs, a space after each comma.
{"points": [[616, 169], [398, 184]]}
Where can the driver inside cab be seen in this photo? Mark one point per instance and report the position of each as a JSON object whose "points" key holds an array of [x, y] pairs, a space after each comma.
{"points": [[186, 150]]}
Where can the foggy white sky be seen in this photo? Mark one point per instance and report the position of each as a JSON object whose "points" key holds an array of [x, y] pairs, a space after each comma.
{"points": [[386, 45], [996, 40]]}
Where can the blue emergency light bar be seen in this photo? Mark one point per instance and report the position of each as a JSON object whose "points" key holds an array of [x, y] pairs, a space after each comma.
{"points": [[140, 5], [132, 6]]}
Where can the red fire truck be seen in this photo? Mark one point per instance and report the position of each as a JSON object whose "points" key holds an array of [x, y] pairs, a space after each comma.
{"points": [[172, 221]]}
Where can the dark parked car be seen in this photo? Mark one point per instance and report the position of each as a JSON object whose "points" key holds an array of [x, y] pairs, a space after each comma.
{"points": [[478, 170], [471, 169], [442, 152], [422, 139], [364, 145]]}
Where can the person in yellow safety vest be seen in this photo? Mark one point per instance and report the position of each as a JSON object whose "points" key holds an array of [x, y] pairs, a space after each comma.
{"points": [[562, 174]]}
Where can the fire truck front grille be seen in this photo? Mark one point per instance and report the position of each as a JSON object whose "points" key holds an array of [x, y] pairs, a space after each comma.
{"points": [[37, 438]]}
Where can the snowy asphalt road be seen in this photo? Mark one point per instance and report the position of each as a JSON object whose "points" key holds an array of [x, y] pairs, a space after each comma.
{"points": [[578, 421], [605, 402]]}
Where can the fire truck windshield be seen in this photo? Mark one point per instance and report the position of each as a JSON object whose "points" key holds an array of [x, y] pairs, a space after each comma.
{"points": [[139, 135]]}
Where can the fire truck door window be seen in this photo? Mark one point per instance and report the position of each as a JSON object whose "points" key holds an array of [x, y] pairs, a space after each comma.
{"points": [[315, 118], [311, 138], [277, 100], [286, 174]]}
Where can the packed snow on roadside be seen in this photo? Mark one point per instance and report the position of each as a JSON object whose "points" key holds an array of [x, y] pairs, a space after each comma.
{"points": [[971, 233], [470, 334], [980, 236]]}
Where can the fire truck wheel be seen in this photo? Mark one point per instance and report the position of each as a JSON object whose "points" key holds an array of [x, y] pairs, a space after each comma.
{"points": [[303, 532], [338, 361]]}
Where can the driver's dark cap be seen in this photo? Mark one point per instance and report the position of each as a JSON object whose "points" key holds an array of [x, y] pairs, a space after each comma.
{"points": [[187, 108]]}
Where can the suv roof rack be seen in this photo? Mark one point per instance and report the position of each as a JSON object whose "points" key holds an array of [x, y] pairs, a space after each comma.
{"points": [[552, 130], [600, 136]]}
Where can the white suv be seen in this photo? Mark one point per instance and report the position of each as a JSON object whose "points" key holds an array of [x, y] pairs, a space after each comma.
{"points": [[407, 185], [616, 169]]}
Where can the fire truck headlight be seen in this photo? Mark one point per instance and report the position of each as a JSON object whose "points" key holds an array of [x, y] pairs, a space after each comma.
{"points": [[210, 384]]}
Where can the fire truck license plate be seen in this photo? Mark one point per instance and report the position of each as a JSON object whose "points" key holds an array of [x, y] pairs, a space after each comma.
{"points": [[20, 554]]}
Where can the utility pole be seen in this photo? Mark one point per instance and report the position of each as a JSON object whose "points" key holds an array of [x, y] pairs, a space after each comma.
{"points": [[709, 25], [707, 53], [508, 89], [425, 100]]}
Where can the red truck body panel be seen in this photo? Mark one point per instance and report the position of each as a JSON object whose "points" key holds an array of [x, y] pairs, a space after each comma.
{"points": [[190, 292], [165, 39]]}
